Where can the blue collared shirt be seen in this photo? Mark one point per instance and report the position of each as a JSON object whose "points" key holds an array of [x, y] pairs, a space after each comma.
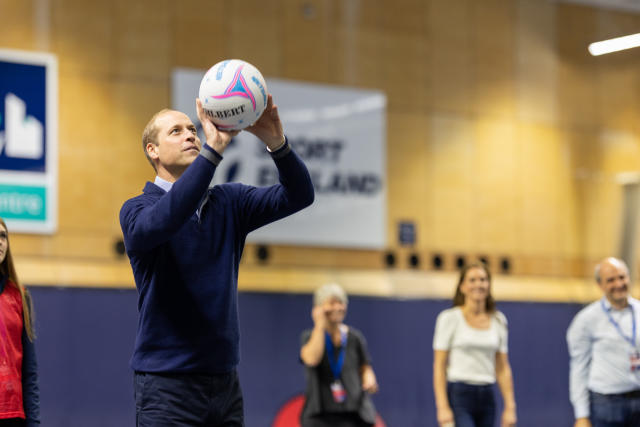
{"points": [[163, 183], [600, 355], [211, 155], [166, 186]]}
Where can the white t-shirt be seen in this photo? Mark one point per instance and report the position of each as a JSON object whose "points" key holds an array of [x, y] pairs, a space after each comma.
{"points": [[472, 351]]}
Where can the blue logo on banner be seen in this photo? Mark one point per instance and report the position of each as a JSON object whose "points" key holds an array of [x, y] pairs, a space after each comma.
{"points": [[22, 117]]}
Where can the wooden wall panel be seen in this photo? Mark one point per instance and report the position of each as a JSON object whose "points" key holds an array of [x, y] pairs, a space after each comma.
{"points": [[82, 36], [613, 23], [494, 26], [402, 18], [575, 27], [133, 105], [618, 97], [497, 198], [357, 62], [536, 62], [83, 161], [200, 33], [255, 32], [494, 88], [493, 59], [409, 175], [404, 73], [450, 60], [542, 190], [505, 137], [17, 31], [307, 34], [451, 79], [577, 95], [450, 22], [450, 167], [142, 40]]}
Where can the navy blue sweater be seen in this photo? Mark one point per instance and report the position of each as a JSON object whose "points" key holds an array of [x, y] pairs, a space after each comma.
{"points": [[186, 267]]}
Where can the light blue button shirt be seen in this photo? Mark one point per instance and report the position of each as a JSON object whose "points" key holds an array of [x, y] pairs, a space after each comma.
{"points": [[600, 355], [162, 183], [166, 186]]}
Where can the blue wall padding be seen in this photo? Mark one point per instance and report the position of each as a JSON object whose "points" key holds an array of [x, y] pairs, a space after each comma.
{"points": [[85, 339]]}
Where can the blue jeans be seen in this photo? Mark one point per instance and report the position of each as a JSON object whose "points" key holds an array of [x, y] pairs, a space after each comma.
{"points": [[164, 400], [615, 410], [472, 405]]}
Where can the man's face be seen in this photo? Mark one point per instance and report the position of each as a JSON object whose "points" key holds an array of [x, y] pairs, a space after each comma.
{"points": [[177, 143], [614, 282]]}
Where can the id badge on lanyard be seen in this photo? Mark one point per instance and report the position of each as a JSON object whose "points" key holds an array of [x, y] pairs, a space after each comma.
{"points": [[634, 354], [337, 389], [635, 361], [338, 392]]}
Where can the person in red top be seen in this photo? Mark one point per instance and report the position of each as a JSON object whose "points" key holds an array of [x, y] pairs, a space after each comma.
{"points": [[19, 392]]}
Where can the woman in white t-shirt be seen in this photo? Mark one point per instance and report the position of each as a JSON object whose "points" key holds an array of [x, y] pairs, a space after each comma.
{"points": [[470, 355]]}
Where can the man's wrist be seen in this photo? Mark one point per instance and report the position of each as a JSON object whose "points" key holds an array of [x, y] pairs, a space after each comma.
{"points": [[272, 148], [280, 151], [211, 154]]}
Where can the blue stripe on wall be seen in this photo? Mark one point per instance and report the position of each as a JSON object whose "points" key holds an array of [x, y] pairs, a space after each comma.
{"points": [[85, 338]]}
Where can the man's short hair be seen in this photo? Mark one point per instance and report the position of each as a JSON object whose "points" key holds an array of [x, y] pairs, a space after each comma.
{"points": [[610, 260], [150, 134]]}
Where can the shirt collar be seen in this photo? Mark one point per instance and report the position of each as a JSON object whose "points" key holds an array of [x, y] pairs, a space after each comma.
{"points": [[163, 183], [607, 305]]}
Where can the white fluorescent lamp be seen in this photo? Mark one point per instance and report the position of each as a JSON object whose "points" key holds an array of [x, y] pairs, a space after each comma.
{"points": [[614, 45]]}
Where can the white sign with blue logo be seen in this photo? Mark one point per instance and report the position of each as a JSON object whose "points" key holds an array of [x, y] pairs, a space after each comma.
{"points": [[340, 133], [28, 141]]}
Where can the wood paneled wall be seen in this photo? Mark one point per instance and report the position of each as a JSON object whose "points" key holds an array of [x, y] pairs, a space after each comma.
{"points": [[505, 136]]}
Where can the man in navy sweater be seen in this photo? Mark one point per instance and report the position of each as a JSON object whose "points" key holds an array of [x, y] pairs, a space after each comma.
{"points": [[184, 241]]}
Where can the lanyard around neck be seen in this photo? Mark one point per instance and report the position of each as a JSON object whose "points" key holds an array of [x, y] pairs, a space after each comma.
{"points": [[631, 340], [336, 364]]}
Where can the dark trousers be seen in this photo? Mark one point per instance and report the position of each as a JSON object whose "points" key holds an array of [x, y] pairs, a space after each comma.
{"points": [[472, 405], [335, 420], [615, 410], [12, 422], [164, 400]]}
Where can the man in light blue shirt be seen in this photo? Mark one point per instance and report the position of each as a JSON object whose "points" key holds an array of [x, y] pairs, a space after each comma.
{"points": [[604, 378]]}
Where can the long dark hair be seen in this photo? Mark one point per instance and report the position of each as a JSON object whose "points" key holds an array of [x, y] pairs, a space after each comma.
{"points": [[458, 298], [8, 268]]}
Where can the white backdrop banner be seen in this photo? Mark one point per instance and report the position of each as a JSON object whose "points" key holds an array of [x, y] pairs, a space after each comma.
{"points": [[340, 133]]}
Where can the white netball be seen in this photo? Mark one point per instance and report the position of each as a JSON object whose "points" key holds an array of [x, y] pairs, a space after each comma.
{"points": [[233, 93]]}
